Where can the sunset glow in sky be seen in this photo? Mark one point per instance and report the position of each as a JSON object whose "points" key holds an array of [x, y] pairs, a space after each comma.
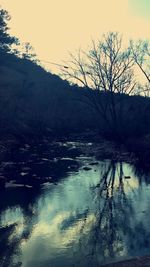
{"points": [[54, 27]]}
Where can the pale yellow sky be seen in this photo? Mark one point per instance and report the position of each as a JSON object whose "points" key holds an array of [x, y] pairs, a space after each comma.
{"points": [[54, 27]]}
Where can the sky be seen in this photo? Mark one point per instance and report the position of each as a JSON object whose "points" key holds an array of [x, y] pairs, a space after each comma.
{"points": [[54, 27]]}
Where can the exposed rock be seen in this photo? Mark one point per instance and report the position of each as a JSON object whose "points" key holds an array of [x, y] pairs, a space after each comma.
{"points": [[86, 168], [127, 177]]}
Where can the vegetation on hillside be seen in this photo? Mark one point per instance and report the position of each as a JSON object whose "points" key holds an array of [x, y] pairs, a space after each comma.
{"points": [[111, 100]]}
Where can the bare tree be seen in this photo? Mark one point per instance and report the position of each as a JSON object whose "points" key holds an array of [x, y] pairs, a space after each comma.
{"points": [[141, 54], [106, 67]]}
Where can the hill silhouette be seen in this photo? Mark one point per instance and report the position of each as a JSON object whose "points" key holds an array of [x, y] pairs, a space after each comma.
{"points": [[34, 101]]}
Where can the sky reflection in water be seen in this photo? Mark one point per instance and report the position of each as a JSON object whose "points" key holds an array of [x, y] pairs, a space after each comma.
{"points": [[90, 217]]}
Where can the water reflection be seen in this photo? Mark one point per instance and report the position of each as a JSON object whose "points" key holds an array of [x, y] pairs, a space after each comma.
{"points": [[88, 218]]}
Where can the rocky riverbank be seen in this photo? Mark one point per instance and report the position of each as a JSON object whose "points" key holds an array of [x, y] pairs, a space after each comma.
{"points": [[31, 162]]}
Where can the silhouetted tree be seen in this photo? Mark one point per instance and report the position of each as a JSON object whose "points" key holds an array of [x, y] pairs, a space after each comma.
{"points": [[106, 67], [28, 52], [141, 54], [5, 39]]}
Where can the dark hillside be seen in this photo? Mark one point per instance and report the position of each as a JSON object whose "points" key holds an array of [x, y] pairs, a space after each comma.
{"points": [[34, 102]]}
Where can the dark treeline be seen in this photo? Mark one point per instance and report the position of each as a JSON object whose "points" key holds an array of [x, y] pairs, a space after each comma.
{"points": [[34, 102]]}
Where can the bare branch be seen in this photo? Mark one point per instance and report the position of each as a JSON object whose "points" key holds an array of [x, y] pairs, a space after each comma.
{"points": [[141, 55]]}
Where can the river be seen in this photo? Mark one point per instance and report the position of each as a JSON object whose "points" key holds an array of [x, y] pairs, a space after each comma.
{"points": [[91, 216]]}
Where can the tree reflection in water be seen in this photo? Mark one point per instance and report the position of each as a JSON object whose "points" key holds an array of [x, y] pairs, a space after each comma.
{"points": [[114, 234], [103, 219], [112, 212]]}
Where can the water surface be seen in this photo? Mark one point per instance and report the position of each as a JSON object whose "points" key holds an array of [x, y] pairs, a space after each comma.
{"points": [[97, 215]]}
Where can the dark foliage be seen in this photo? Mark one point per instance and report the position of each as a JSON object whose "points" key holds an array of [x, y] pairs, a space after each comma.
{"points": [[35, 102], [5, 39]]}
